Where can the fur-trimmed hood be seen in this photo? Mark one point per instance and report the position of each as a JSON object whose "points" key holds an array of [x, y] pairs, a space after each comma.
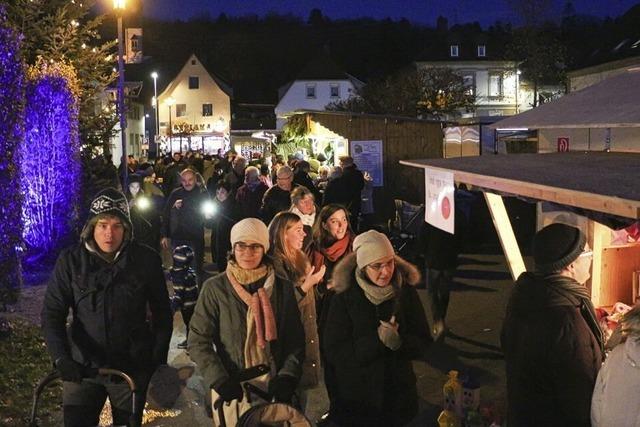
{"points": [[344, 273]]}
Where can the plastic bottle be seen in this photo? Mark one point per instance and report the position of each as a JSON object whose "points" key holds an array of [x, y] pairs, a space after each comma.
{"points": [[452, 391], [448, 419]]}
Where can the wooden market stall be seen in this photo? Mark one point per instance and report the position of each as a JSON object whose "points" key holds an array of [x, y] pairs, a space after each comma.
{"points": [[401, 138], [600, 185]]}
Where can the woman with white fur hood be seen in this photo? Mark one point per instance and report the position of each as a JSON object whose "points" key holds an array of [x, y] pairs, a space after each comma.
{"points": [[615, 395], [375, 326]]}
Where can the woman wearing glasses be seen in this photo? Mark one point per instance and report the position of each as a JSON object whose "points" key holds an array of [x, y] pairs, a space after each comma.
{"points": [[375, 326], [246, 316]]}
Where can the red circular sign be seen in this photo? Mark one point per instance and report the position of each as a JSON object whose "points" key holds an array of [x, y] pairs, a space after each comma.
{"points": [[445, 207]]}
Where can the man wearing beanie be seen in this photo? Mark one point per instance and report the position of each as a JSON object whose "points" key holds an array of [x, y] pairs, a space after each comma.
{"points": [[375, 326], [108, 280], [246, 316], [552, 343]]}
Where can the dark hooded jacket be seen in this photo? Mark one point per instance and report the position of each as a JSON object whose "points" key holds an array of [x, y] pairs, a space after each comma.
{"points": [[375, 386], [553, 351], [121, 313]]}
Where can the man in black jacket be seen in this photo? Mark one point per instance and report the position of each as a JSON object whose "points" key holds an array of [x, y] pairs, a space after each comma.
{"points": [[347, 189], [184, 217], [552, 343], [108, 280]]}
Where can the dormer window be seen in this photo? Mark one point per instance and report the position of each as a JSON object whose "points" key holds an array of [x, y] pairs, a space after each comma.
{"points": [[454, 50], [311, 91], [482, 51]]}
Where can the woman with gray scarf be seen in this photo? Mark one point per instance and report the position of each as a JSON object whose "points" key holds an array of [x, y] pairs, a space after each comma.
{"points": [[375, 326]]}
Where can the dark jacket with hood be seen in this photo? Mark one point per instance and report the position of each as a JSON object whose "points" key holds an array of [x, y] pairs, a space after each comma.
{"points": [[375, 386], [553, 352], [110, 326]]}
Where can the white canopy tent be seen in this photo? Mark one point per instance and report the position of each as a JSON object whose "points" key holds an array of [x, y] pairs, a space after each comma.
{"points": [[611, 103]]}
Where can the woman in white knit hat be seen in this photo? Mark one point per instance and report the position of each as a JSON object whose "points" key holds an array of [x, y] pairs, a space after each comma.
{"points": [[246, 316], [375, 326]]}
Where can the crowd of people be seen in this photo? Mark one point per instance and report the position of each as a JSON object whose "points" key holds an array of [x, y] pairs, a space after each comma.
{"points": [[296, 290], [300, 291]]}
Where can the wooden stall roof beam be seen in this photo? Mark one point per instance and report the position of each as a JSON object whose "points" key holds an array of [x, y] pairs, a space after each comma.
{"points": [[603, 182], [505, 233]]}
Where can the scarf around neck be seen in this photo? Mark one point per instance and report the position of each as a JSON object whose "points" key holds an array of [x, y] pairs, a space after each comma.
{"points": [[338, 248], [568, 290], [247, 277], [306, 219], [257, 300], [374, 293]]}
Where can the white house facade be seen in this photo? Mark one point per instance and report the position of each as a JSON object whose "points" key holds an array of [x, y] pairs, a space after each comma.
{"points": [[319, 84], [497, 85], [195, 111]]}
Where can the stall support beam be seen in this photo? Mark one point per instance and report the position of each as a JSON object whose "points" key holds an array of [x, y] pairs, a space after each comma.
{"points": [[505, 233], [601, 238]]}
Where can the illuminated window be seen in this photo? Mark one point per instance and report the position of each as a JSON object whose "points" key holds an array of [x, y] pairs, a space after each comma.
{"points": [[495, 85], [469, 81]]}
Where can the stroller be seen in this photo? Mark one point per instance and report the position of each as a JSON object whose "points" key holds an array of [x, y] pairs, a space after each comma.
{"points": [[268, 414], [53, 376], [405, 227]]}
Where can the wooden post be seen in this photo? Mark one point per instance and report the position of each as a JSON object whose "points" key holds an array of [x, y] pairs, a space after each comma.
{"points": [[505, 233], [601, 238]]}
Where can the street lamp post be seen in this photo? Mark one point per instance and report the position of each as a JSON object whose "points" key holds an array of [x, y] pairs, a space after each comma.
{"points": [[156, 117], [170, 101], [118, 6]]}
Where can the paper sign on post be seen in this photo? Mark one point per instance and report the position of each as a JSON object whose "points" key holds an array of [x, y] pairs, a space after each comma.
{"points": [[439, 204]]}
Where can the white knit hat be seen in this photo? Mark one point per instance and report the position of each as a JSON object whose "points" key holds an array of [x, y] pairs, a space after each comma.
{"points": [[250, 230], [370, 247]]}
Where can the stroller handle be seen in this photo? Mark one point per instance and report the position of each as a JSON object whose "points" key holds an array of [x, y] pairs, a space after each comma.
{"points": [[89, 372], [243, 375]]}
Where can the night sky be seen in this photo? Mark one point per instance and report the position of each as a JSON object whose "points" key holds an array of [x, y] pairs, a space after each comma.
{"points": [[420, 11]]}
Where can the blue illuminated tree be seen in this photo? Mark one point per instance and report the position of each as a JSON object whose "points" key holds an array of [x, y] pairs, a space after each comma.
{"points": [[11, 132], [49, 158]]}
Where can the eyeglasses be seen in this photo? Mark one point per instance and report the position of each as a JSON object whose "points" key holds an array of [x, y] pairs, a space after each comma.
{"points": [[587, 254], [378, 266], [243, 247]]}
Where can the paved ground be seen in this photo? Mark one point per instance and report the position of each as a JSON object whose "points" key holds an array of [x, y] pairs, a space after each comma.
{"points": [[477, 306]]}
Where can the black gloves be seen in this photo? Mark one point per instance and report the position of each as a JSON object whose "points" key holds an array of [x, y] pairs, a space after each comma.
{"points": [[70, 370], [282, 387], [229, 390]]}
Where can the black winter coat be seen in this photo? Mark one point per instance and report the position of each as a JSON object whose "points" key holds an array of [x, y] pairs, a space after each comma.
{"points": [[552, 356], [225, 217], [186, 223], [110, 326], [275, 200], [346, 190], [375, 386]]}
